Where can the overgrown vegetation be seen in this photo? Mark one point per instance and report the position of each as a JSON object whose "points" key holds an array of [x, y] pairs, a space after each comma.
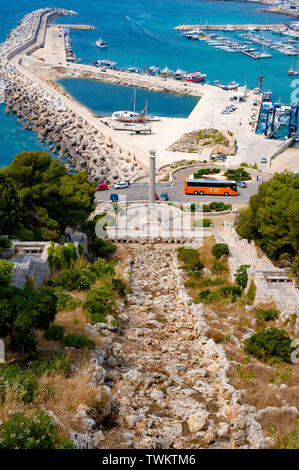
{"points": [[250, 296], [266, 315], [62, 256], [270, 345]]}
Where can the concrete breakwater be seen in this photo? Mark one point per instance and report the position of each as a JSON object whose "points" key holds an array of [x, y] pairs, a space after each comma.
{"points": [[79, 138]]}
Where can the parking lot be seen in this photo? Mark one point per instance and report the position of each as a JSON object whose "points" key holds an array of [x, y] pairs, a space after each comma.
{"points": [[175, 191]]}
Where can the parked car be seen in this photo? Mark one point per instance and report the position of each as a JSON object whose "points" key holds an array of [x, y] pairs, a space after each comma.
{"points": [[156, 197], [121, 185], [164, 197], [242, 184], [263, 160], [102, 187], [114, 197]]}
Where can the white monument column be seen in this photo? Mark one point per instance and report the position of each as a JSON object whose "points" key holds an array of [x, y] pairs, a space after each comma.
{"points": [[152, 176]]}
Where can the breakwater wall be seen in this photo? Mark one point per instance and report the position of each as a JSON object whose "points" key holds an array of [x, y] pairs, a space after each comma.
{"points": [[70, 131]]}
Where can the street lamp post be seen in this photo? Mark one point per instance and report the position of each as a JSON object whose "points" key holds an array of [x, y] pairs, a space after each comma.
{"points": [[152, 176]]}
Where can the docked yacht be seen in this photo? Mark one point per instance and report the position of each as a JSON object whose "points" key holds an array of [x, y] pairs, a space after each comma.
{"points": [[166, 72], [195, 77]]}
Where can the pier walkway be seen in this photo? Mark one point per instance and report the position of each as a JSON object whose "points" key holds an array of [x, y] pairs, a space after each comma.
{"points": [[74, 26]]}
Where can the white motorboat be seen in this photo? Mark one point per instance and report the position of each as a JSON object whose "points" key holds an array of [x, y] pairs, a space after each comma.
{"points": [[100, 43]]}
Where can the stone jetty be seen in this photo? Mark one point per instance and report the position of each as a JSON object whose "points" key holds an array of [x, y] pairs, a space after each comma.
{"points": [[73, 137]]}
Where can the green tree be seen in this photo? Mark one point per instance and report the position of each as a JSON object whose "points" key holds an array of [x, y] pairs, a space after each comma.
{"points": [[10, 205], [220, 249], [5, 273], [23, 312], [54, 199], [272, 218]]}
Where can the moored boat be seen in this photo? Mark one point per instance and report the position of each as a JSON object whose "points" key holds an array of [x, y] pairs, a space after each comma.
{"points": [[100, 43], [195, 77]]}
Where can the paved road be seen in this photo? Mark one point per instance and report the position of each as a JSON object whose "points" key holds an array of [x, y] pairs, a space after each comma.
{"points": [[176, 192]]}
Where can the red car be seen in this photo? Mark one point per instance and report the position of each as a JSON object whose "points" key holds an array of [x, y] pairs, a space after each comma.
{"points": [[102, 187], [156, 197]]}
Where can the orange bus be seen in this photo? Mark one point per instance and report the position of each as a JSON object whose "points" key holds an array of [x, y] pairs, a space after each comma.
{"points": [[211, 187]]}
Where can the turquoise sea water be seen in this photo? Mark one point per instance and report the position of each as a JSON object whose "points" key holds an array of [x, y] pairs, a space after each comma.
{"points": [[97, 96], [140, 33]]}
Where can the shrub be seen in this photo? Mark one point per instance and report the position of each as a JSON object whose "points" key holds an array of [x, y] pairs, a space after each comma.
{"points": [[230, 292], [227, 292], [240, 174], [119, 286], [75, 279], [5, 273], [218, 267], [241, 275], [101, 269], [205, 171], [220, 249], [54, 332], [102, 248], [34, 432], [78, 342], [99, 303], [250, 296], [216, 206], [191, 259], [207, 296], [5, 243], [271, 345], [266, 315], [56, 361], [65, 300], [62, 256], [211, 282], [21, 382], [21, 432], [206, 223]]}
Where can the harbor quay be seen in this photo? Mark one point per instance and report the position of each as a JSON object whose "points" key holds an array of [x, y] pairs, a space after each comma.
{"points": [[229, 27]]}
